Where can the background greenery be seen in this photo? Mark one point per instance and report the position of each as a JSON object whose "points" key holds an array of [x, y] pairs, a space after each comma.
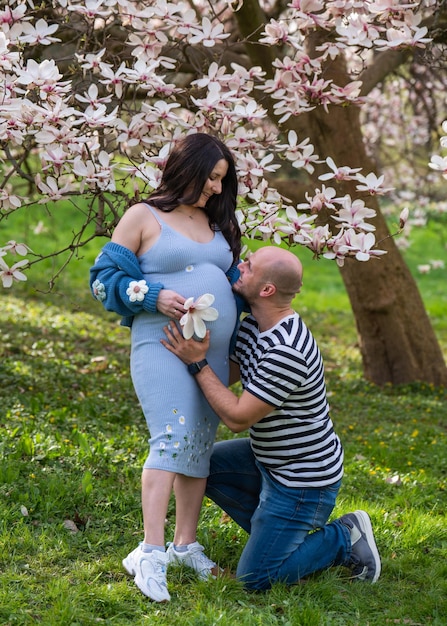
{"points": [[73, 440]]}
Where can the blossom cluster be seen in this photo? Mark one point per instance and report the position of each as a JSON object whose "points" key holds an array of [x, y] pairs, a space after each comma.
{"points": [[97, 124], [439, 162]]}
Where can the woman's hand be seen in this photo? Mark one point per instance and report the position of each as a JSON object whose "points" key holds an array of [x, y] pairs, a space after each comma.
{"points": [[188, 350], [170, 304]]}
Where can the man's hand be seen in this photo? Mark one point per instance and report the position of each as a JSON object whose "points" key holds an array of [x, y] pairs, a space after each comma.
{"points": [[238, 413], [188, 350]]}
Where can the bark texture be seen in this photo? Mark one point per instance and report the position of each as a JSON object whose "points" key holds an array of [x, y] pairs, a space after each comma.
{"points": [[397, 341]]}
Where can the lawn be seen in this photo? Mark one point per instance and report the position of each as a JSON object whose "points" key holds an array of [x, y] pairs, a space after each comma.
{"points": [[73, 440]]}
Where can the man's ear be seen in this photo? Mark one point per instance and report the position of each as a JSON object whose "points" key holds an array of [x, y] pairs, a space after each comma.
{"points": [[269, 289]]}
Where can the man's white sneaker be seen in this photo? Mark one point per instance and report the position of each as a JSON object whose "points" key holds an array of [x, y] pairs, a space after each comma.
{"points": [[195, 558], [149, 571]]}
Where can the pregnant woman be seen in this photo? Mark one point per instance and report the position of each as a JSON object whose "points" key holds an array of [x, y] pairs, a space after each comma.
{"points": [[181, 243]]}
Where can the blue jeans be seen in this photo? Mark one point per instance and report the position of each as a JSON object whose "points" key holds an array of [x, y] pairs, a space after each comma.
{"points": [[289, 537]]}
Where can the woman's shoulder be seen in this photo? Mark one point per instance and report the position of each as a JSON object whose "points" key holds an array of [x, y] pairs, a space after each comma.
{"points": [[137, 209]]}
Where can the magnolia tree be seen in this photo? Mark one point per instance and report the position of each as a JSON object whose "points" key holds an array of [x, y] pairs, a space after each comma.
{"points": [[95, 93]]}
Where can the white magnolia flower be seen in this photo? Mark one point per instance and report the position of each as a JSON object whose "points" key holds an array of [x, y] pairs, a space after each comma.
{"points": [[17, 248], [197, 313], [137, 290], [41, 33], [9, 274]]}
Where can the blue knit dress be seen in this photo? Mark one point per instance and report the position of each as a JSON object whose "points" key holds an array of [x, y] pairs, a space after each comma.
{"points": [[181, 423]]}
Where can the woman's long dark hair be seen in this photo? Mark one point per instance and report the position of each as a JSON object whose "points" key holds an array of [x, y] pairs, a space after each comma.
{"points": [[187, 170]]}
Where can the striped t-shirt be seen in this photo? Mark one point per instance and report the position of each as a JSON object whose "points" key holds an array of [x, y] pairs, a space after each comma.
{"points": [[283, 367]]}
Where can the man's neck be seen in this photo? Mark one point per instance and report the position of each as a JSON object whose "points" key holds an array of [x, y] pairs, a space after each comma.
{"points": [[267, 318]]}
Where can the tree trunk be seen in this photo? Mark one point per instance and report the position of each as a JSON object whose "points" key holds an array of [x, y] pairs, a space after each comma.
{"points": [[397, 341]]}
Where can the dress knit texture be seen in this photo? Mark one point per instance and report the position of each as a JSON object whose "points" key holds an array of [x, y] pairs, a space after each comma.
{"points": [[181, 423]]}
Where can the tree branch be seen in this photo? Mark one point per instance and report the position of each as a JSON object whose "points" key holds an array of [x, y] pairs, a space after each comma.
{"points": [[251, 20], [384, 64]]}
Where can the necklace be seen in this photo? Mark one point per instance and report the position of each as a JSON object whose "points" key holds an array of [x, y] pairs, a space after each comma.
{"points": [[190, 215]]}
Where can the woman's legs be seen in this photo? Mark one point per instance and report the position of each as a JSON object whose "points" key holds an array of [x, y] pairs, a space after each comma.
{"points": [[156, 487], [189, 494], [156, 490], [185, 549]]}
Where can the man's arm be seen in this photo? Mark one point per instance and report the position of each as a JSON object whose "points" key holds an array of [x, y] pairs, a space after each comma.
{"points": [[238, 413]]}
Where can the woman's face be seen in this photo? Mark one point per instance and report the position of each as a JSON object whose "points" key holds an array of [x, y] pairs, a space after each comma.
{"points": [[214, 183]]}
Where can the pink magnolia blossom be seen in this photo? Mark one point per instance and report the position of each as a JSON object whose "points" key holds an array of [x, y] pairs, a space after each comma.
{"points": [[7, 57], [216, 99], [83, 140], [39, 74], [389, 8], [149, 46], [323, 198], [17, 248], [348, 93], [362, 245], [372, 184], [356, 31], [91, 61], [297, 225], [208, 35], [405, 36], [403, 217], [95, 173], [439, 164], [114, 78], [354, 214], [51, 188], [91, 8], [9, 201], [275, 33], [339, 173], [309, 13], [41, 33], [250, 111], [55, 156], [10, 16], [92, 98], [216, 74], [317, 239]]}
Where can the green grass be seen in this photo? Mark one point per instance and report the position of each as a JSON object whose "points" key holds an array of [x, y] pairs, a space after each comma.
{"points": [[73, 440]]}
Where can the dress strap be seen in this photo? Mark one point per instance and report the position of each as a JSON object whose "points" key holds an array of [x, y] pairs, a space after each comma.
{"points": [[161, 223]]}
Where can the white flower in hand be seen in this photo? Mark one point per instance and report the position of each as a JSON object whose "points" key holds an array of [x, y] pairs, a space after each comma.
{"points": [[197, 313], [136, 290]]}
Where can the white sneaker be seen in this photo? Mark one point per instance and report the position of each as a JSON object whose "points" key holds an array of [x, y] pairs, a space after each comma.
{"points": [[149, 571], [195, 558]]}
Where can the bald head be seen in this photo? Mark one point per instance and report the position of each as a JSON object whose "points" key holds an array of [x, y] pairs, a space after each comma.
{"points": [[281, 268]]}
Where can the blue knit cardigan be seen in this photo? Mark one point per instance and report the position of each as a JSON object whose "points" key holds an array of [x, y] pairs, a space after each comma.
{"points": [[116, 266]]}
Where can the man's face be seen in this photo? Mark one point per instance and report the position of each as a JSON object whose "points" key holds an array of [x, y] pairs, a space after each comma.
{"points": [[250, 281]]}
